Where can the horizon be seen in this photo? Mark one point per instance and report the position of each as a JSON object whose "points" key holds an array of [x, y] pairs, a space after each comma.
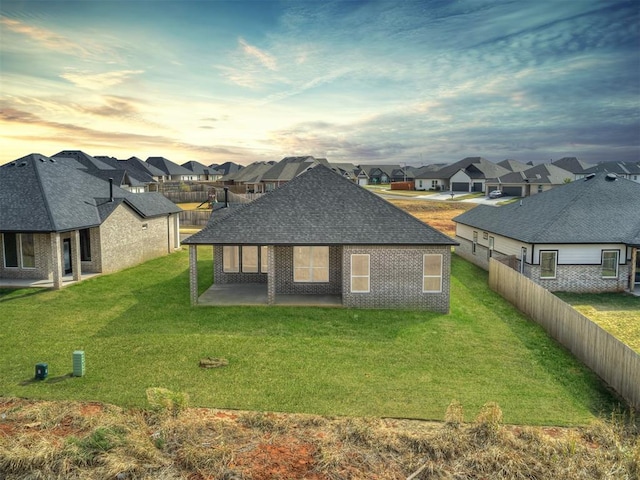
{"points": [[361, 82]]}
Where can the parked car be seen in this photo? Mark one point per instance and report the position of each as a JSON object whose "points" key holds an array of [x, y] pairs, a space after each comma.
{"points": [[495, 194]]}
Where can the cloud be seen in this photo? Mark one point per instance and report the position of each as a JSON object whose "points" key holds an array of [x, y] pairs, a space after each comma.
{"points": [[114, 106], [99, 81], [267, 60], [46, 38]]}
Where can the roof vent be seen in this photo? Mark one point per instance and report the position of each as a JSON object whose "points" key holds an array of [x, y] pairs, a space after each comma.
{"points": [[52, 160], [589, 177], [42, 159], [22, 164], [611, 177], [12, 164]]}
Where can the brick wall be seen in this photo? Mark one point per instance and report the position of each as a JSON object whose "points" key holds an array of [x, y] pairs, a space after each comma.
{"points": [[582, 279], [569, 278], [396, 276], [284, 276], [124, 241], [41, 245]]}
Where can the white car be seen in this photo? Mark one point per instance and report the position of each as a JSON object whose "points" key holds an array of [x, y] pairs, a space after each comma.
{"points": [[495, 194]]}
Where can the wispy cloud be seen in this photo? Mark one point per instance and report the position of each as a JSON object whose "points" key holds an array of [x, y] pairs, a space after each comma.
{"points": [[99, 81], [46, 38], [267, 60]]}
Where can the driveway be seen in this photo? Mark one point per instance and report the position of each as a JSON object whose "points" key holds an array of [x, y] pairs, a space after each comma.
{"points": [[440, 197]]}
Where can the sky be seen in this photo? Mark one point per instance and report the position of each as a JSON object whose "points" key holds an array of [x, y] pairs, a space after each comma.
{"points": [[365, 82]]}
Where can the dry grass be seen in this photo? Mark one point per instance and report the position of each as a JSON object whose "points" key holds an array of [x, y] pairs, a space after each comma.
{"points": [[436, 214], [56, 440]]}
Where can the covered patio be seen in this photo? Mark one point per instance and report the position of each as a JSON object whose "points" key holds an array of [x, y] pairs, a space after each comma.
{"points": [[256, 294]]}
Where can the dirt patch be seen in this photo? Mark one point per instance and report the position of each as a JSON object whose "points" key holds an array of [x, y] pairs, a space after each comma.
{"points": [[434, 213]]}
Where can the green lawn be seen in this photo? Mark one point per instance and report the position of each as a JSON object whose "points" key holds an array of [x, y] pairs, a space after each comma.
{"points": [[617, 313], [138, 331]]}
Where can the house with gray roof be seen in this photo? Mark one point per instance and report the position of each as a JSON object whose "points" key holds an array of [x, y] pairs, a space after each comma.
{"points": [[381, 174], [466, 175], [287, 169], [202, 173], [582, 236], [320, 235], [579, 168], [531, 181], [58, 222], [515, 165], [629, 170], [175, 172]]}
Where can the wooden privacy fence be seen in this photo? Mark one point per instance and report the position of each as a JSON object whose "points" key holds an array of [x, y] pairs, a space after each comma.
{"points": [[196, 218], [616, 363]]}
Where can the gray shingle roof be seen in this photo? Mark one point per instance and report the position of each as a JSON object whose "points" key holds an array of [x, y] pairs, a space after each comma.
{"points": [[595, 210], [544, 173], [42, 194], [290, 167], [572, 164], [167, 166], [513, 165], [620, 168], [319, 207]]}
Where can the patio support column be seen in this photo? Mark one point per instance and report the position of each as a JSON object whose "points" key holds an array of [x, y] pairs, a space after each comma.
{"points": [[271, 275], [633, 272], [193, 274], [56, 260], [76, 262]]}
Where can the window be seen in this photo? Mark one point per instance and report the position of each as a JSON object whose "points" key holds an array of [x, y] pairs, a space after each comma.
{"points": [[360, 273], [485, 235], [85, 245], [548, 263], [19, 250], [249, 259], [231, 259], [539, 188], [10, 242], [491, 244], [432, 273], [27, 250], [311, 264], [610, 263], [434, 184], [264, 259], [475, 242]]}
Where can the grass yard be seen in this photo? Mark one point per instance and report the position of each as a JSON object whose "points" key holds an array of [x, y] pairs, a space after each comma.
{"points": [[138, 331], [617, 313]]}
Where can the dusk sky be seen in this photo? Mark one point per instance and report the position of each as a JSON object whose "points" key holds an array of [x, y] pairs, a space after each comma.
{"points": [[351, 81]]}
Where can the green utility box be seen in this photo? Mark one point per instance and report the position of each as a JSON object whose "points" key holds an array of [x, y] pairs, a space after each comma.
{"points": [[42, 371], [78, 363]]}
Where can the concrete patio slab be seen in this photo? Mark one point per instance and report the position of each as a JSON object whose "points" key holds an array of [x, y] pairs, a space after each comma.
{"points": [[256, 294]]}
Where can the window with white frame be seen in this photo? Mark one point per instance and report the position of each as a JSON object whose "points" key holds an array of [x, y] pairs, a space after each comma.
{"points": [[432, 273], [360, 273], [475, 243], [610, 263], [19, 250], [311, 264], [548, 263], [231, 259], [249, 259]]}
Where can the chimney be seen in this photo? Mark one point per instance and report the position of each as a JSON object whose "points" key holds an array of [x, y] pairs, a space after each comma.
{"points": [[111, 190], [226, 197]]}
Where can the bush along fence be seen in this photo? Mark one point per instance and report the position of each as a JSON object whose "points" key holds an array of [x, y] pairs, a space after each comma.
{"points": [[616, 363]]}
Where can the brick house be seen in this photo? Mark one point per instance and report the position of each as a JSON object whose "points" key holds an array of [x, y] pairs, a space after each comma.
{"points": [[58, 221], [322, 234], [583, 236]]}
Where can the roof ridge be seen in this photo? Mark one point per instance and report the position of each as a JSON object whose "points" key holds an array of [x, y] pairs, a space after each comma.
{"points": [[43, 193]]}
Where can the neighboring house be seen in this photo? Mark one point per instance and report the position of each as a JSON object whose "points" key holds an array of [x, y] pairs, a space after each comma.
{"points": [[347, 170], [248, 179], [577, 167], [321, 234], [287, 169], [381, 174], [57, 220], [421, 174], [466, 175], [579, 237], [202, 173], [628, 170], [103, 167], [173, 171], [226, 168], [515, 165], [138, 179], [141, 168], [529, 182]]}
